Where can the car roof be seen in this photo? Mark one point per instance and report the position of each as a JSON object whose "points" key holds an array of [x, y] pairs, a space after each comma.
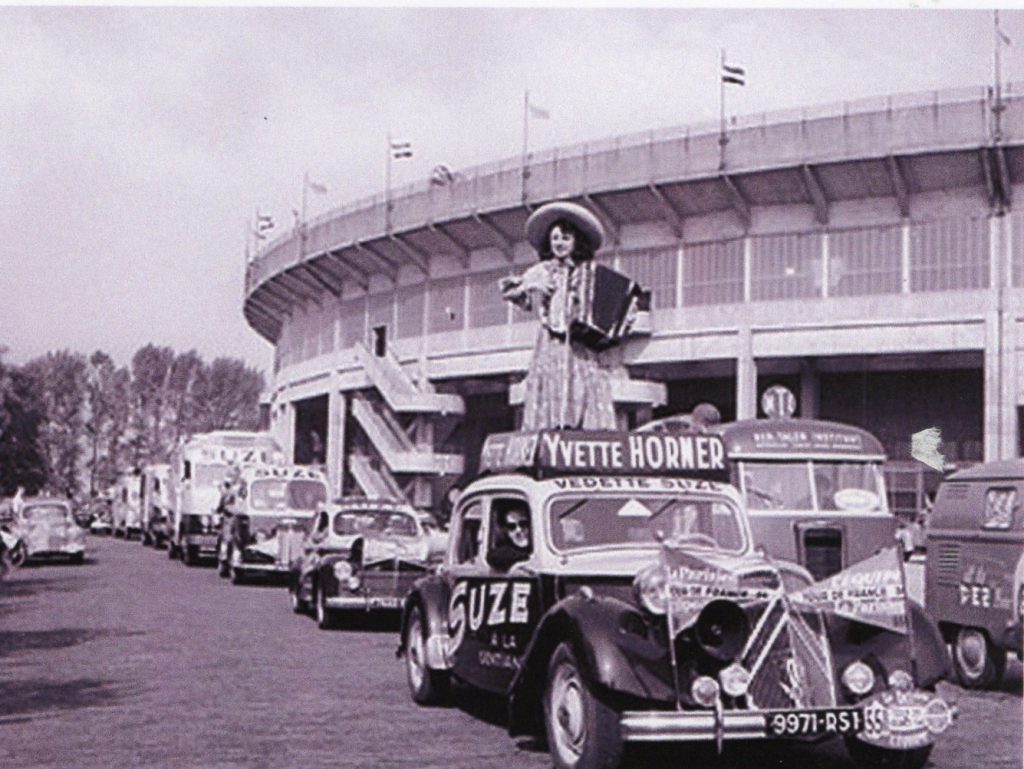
{"points": [[1002, 469]]}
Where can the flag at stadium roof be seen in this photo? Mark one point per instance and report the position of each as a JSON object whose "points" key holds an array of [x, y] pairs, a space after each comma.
{"points": [[319, 189], [400, 150], [732, 73]]}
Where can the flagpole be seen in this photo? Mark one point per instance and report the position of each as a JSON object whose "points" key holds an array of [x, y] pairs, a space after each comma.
{"points": [[305, 187], [997, 105], [387, 185], [722, 138], [526, 137]]}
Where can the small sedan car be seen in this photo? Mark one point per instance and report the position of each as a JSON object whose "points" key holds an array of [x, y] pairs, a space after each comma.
{"points": [[48, 529], [607, 586], [363, 555]]}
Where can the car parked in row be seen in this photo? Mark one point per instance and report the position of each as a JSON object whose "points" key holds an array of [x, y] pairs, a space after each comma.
{"points": [[363, 555], [610, 602], [47, 527]]}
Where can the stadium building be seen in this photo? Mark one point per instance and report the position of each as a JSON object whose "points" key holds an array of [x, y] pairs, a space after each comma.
{"points": [[865, 255]]}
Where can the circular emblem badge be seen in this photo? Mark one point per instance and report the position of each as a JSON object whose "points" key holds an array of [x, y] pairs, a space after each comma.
{"points": [[777, 402]]}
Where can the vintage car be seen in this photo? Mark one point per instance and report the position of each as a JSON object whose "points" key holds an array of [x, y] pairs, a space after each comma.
{"points": [[636, 609], [363, 555], [264, 518], [48, 529]]}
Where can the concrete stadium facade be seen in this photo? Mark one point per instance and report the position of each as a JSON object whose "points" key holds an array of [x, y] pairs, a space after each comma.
{"points": [[867, 255]]}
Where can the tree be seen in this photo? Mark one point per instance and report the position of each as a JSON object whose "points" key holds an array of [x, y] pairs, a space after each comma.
{"points": [[21, 463], [228, 396], [107, 422], [59, 384], [151, 368]]}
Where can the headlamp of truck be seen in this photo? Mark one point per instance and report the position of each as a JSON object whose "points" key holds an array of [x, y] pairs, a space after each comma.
{"points": [[206, 521], [858, 678], [354, 583], [735, 680], [651, 589], [342, 571], [260, 536], [705, 691]]}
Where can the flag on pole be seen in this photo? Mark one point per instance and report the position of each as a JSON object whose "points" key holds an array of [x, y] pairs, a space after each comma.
{"points": [[319, 189], [538, 112], [732, 73], [264, 224], [400, 150], [1004, 37], [441, 175]]}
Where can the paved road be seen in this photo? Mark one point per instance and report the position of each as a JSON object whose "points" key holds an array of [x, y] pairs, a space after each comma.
{"points": [[135, 661]]}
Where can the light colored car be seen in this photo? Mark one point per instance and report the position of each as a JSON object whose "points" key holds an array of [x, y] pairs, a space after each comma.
{"points": [[363, 555], [48, 529]]}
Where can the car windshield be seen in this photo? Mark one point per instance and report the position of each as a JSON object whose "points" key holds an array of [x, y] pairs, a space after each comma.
{"points": [[600, 521], [375, 522], [281, 494], [826, 486], [45, 513]]}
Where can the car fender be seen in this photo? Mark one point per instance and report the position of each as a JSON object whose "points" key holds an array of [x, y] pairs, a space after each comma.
{"points": [[430, 593], [931, 654], [622, 658]]}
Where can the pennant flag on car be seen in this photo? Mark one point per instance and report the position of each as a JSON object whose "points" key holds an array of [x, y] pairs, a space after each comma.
{"points": [[872, 591]]}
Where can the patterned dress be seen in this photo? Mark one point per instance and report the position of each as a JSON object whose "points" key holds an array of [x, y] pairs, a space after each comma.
{"points": [[567, 384]]}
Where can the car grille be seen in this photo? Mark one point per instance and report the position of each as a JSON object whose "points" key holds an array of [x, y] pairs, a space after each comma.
{"points": [[788, 657], [289, 545], [823, 552], [947, 560]]}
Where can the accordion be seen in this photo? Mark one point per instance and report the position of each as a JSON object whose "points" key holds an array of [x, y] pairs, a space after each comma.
{"points": [[605, 300]]}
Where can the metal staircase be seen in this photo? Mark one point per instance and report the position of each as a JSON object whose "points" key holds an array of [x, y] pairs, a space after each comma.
{"points": [[401, 419]]}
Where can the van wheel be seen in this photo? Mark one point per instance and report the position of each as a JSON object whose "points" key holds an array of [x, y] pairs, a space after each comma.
{"points": [[867, 756], [977, 661], [582, 731], [427, 687], [299, 606], [324, 616]]}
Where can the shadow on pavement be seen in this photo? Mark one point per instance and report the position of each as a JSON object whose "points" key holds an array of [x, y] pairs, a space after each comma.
{"points": [[12, 641], [34, 695]]}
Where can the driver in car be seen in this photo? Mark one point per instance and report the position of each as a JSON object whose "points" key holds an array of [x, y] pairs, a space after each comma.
{"points": [[512, 537]]}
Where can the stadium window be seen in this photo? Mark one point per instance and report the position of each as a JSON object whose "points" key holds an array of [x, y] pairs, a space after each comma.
{"points": [[713, 273]]}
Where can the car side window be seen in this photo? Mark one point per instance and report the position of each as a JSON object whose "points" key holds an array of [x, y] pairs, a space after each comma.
{"points": [[470, 529], [511, 539]]}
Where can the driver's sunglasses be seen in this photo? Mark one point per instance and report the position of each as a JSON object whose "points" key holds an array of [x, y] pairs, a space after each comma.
{"points": [[517, 525]]}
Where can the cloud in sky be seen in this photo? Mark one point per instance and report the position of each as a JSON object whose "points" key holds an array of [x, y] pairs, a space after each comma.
{"points": [[135, 143]]}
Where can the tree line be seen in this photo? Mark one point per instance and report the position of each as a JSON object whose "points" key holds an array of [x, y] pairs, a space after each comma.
{"points": [[70, 423]]}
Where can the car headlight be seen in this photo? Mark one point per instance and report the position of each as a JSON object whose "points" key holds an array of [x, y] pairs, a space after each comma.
{"points": [[206, 521], [858, 678], [651, 589], [342, 570], [354, 582], [735, 680], [705, 691], [901, 680], [261, 536]]}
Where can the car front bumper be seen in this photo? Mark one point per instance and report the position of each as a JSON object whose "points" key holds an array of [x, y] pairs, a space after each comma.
{"points": [[901, 721], [365, 602], [204, 544]]}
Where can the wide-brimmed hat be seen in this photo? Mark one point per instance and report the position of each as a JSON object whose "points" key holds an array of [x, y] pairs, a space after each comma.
{"points": [[540, 222]]}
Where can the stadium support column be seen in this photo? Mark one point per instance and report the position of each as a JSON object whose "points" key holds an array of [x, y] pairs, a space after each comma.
{"points": [[1000, 372], [810, 388], [337, 410], [746, 375], [286, 434]]}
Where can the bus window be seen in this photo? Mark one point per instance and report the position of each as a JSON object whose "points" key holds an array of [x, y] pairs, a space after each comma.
{"points": [[848, 486], [777, 485]]}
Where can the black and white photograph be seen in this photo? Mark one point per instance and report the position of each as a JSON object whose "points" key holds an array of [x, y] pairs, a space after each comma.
{"points": [[511, 387]]}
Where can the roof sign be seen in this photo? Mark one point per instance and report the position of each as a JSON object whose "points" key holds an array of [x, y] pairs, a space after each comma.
{"points": [[552, 452], [777, 402]]}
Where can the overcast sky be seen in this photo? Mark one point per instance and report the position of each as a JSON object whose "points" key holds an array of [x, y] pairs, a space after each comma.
{"points": [[136, 143]]}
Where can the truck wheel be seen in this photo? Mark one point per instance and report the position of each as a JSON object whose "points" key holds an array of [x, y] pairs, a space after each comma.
{"points": [[238, 576], [867, 756], [224, 564], [582, 731], [188, 555], [977, 661], [427, 687]]}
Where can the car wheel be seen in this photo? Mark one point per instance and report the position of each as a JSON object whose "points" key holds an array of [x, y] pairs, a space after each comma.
{"points": [[299, 606], [582, 731], [18, 554], [78, 558], [224, 563], [238, 576], [427, 686], [977, 661], [867, 756], [324, 616], [188, 555]]}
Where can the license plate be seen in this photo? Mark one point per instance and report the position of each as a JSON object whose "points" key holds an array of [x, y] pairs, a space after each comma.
{"points": [[799, 723], [382, 603]]}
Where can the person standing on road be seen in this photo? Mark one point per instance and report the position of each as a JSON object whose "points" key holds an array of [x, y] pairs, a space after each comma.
{"points": [[567, 385]]}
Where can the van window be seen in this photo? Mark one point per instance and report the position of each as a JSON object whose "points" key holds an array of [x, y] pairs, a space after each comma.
{"points": [[470, 525], [999, 506]]}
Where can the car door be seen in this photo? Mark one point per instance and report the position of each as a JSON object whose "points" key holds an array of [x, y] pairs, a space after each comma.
{"points": [[310, 558]]}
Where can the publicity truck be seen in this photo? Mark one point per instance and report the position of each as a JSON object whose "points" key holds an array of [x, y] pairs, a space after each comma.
{"points": [[199, 467]]}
